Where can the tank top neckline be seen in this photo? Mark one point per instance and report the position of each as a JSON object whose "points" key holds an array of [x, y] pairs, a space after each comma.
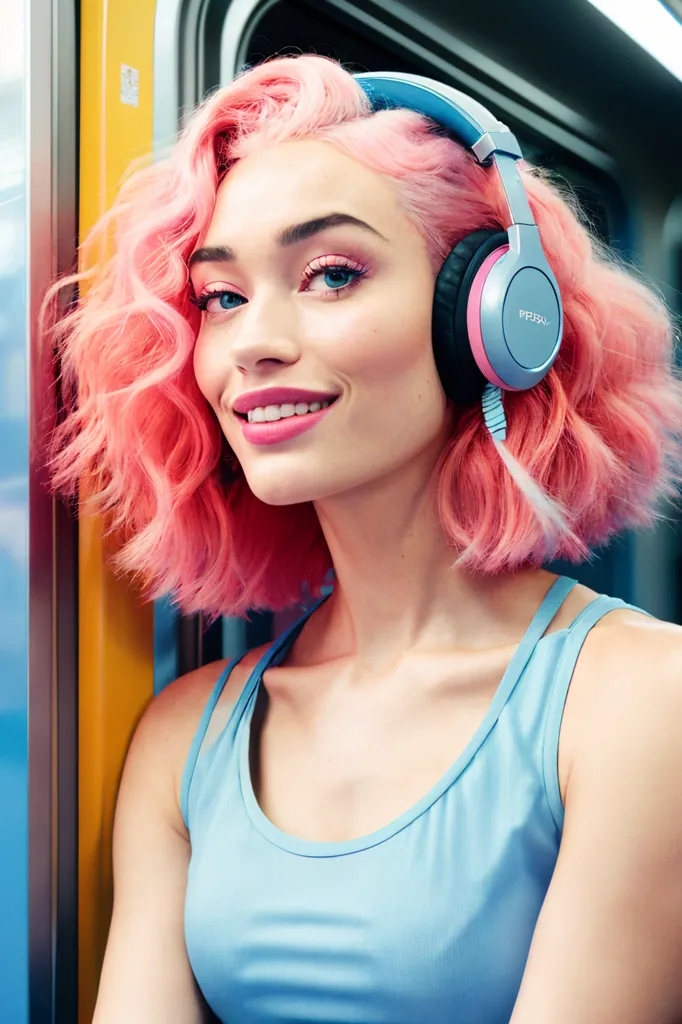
{"points": [[534, 634]]}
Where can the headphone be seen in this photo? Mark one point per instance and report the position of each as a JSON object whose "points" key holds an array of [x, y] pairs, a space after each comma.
{"points": [[497, 314]]}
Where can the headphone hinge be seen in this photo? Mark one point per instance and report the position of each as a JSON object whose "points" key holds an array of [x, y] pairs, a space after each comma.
{"points": [[503, 142]]}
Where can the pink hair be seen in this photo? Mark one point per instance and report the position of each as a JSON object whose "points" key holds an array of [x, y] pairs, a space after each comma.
{"points": [[599, 436]]}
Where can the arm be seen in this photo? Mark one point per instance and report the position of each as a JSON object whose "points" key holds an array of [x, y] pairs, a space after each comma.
{"points": [[146, 977], [607, 948]]}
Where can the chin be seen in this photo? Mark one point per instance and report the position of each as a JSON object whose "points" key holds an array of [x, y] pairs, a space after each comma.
{"points": [[272, 489]]}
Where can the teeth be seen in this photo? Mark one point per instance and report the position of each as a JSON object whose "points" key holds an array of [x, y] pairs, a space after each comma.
{"points": [[272, 413]]}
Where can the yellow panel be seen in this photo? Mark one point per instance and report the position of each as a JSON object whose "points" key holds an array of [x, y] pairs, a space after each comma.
{"points": [[116, 648]]}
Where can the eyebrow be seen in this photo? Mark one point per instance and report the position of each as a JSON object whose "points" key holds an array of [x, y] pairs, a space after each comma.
{"points": [[289, 236]]}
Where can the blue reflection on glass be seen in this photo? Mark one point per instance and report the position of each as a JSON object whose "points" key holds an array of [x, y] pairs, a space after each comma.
{"points": [[13, 524]]}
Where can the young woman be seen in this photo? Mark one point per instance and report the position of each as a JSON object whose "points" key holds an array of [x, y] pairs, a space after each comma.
{"points": [[452, 791]]}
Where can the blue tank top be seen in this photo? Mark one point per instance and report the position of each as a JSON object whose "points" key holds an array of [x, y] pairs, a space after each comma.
{"points": [[428, 919]]}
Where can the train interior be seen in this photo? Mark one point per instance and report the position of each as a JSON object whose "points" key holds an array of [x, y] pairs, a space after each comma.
{"points": [[88, 89]]}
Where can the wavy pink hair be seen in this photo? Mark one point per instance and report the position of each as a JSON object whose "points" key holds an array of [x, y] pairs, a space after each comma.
{"points": [[599, 436]]}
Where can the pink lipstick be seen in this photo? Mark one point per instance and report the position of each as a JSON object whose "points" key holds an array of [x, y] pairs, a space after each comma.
{"points": [[288, 426], [283, 429]]}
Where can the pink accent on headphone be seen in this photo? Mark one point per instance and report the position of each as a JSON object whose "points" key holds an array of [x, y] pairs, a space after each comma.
{"points": [[474, 319]]}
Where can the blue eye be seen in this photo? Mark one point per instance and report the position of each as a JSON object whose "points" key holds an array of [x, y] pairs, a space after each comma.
{"points": [[226, 299], [346, 274]]}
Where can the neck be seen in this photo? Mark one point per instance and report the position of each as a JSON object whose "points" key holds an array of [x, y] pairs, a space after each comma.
{"points": [[396, 591]]}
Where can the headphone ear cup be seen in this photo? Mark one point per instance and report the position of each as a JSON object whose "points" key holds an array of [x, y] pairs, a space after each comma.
{"points": [[460, 376]]}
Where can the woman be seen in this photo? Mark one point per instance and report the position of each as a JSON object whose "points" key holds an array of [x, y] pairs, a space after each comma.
{"points": [[388, 814]]}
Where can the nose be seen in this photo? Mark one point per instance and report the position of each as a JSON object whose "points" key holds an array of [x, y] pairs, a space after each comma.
{"points": [[267, 336]]}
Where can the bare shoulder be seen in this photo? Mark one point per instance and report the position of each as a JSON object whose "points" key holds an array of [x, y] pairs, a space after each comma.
{"points": [[628, 677], [177, 709], [628, 651], [165, 732]]}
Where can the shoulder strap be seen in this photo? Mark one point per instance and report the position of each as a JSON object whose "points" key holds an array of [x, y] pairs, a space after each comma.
{"points": [[272, 656], [198, 739], [280, 648], [553, 600], [576, 635]]}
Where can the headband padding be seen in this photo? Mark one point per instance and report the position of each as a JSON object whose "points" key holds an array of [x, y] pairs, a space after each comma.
{"points": [[462, 380]]}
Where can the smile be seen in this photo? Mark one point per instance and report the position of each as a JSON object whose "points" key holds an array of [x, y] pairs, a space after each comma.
{"points": [[272, 424]]}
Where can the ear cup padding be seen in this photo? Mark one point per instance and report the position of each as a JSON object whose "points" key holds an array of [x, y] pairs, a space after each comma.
{"points": [[460, 376]]}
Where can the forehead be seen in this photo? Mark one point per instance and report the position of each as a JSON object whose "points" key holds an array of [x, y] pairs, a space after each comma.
{"points": [[297, 180]]}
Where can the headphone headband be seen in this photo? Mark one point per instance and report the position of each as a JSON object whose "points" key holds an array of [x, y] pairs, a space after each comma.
{"points": [[473, 124], [466, 117]]}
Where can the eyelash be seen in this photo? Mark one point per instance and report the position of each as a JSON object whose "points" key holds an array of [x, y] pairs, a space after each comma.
{"points": [[311, 272]]}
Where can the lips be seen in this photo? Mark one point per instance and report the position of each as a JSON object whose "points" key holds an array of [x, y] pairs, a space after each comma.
{"points": [[285, 429], [278, 396]]}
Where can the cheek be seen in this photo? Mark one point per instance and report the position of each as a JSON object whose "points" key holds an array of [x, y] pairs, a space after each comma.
{"points": [[389, 343], [205, 371]]}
